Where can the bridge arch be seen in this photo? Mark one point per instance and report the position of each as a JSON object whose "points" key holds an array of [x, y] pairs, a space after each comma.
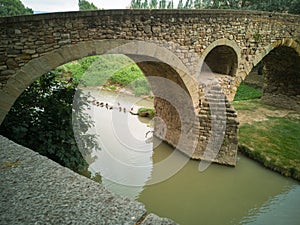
{"points": [[140, 52], [222, 57], [281, 71]]}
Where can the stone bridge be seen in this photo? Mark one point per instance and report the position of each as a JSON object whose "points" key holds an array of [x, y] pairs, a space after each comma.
{"points": [[206, 53]]}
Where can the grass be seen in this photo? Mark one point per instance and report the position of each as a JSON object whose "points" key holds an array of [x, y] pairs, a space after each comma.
{"points": [[275, 143], [251, 104], [245, 92]]}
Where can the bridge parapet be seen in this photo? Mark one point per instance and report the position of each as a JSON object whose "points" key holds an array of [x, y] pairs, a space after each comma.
{"points": [[37, 190]]}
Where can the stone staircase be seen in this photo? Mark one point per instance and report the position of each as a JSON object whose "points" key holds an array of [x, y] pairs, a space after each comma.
{"points": [[218, 121]]}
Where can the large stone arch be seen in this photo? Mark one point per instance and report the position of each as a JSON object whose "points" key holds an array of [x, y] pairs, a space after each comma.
{"points": [[281, 72], [141, 52], [178, 109]]}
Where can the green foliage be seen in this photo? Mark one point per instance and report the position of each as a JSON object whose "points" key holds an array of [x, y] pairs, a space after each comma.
{"points": [[140, 86], [245, 92], [109, 70], [153, 4], [162, 4], [136, 4], [170, 5], [79, 67], [197, 4], [188, 4], [292, 6], [146, 112], [13, 8], [126, 75], [85, 5], [257, 37], [180, 4], [41, 119], [295, 7]]}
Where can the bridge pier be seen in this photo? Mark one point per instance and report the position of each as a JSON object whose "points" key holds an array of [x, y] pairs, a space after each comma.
{"points": [[209, 133]]}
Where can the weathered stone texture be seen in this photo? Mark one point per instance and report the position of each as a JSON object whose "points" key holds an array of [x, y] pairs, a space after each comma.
{"points": [[27, 37], [36, 190]]}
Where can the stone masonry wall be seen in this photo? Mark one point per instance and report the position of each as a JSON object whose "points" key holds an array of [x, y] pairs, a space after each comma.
{"points": [[190, 32]]}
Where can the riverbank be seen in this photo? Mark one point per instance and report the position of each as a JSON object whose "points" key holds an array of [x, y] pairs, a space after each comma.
{"points": [[270, 135]]}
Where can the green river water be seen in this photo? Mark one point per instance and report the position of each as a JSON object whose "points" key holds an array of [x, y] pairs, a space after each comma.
{"points": [[245, 194]]}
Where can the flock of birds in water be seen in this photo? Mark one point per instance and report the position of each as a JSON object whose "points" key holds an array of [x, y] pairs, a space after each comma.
{"points": [[110, 107]]}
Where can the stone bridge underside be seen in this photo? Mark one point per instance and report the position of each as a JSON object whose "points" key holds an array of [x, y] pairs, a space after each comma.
{"points": [[205, 53]]}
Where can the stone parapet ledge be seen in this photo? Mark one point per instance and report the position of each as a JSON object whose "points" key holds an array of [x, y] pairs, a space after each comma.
{"points": [[36, 190]]}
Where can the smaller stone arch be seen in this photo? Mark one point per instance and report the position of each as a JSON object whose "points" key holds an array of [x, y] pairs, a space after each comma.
{"points": [[228, 47], [223, 75]]}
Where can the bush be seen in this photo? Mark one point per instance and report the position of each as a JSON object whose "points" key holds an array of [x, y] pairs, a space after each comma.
{"points": [[126, 75], [146, 112], [141, 86]]}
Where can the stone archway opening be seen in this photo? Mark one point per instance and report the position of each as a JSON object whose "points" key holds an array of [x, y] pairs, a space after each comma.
{"points": [[221, 60], [282, 78], [220, 65]]}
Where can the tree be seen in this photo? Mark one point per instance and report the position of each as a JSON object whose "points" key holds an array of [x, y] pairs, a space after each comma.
{"points": [[41, 119], [170, 5], [188, 4], [136, 4], [145, 4], [162, 4], [295, 7], [180, 5], [153, 4], [85, 5], [13, 8], [197, 4]]}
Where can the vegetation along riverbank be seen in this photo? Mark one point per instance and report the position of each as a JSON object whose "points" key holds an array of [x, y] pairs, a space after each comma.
{"points": [[267, 134]]}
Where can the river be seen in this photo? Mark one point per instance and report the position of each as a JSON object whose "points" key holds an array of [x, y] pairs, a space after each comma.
{"points": [[245, 194]]}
